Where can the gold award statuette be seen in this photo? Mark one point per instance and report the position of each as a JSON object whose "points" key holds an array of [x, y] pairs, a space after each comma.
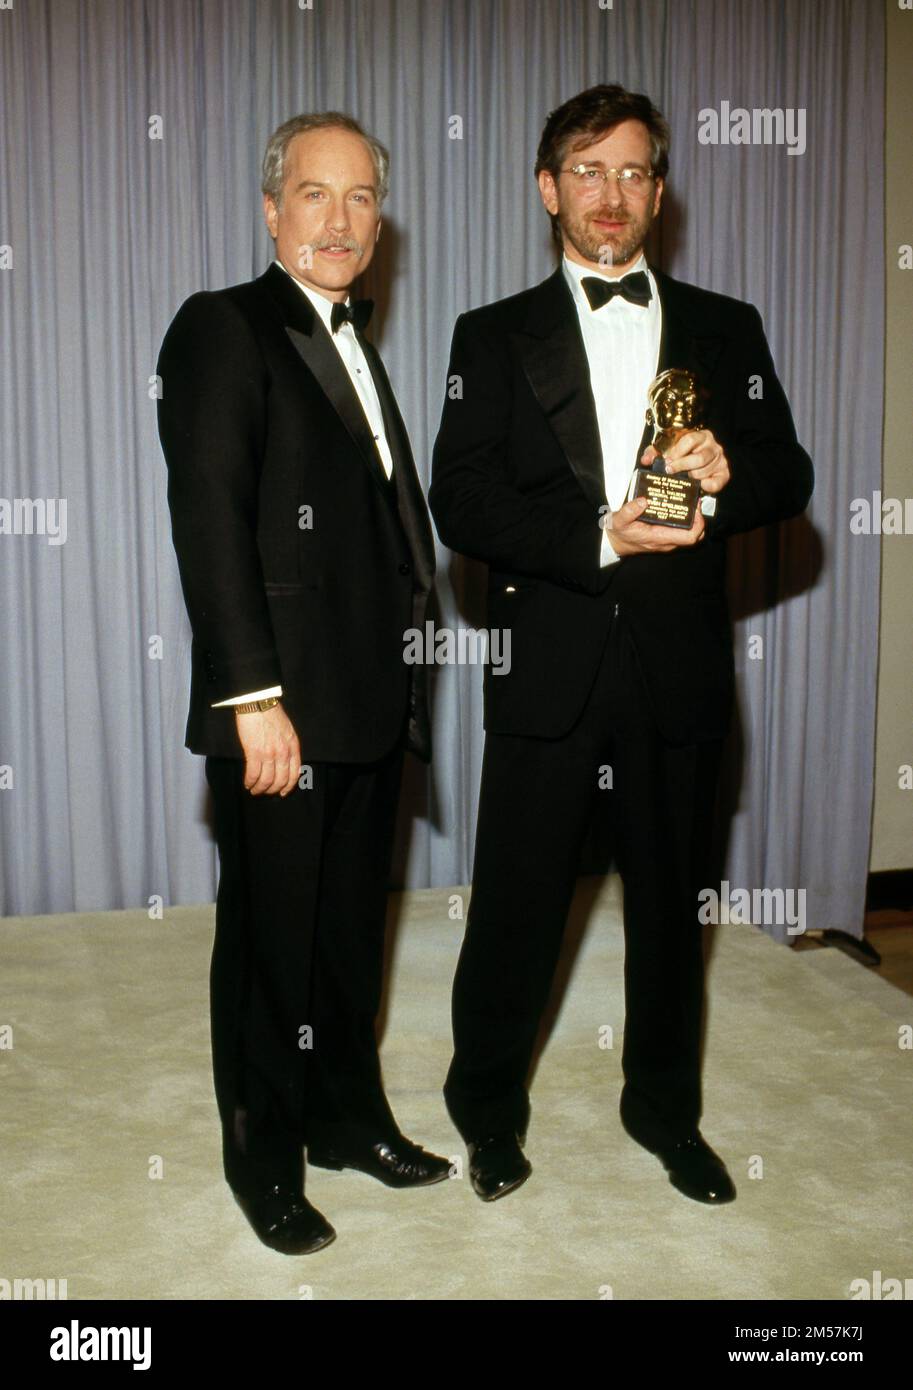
{"points": [[672, 499]]}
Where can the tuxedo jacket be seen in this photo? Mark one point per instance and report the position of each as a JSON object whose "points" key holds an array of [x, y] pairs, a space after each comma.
{"points": [[518, 482], [301, 564]]}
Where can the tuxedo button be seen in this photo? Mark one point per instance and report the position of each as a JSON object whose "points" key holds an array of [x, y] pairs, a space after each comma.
{"points": [[405, 568]]}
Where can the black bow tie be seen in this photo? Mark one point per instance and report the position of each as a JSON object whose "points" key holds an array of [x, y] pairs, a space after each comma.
{"points": [[357, 314], [635, 287]]}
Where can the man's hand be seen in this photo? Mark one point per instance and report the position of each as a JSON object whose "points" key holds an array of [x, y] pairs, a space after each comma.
{"points": [[698, 454], [630, 536], [272, 757]]}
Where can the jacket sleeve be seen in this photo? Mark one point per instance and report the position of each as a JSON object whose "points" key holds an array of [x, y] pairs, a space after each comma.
{"points": [[211, 419], [771, 474], [477, 508]]}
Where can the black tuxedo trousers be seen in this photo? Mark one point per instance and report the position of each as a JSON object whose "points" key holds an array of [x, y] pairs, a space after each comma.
{"points": [[297, 963], [536, 800]]}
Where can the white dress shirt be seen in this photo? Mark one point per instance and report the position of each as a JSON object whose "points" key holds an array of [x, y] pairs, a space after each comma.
{"points": [[350, 350], [622, 341]]}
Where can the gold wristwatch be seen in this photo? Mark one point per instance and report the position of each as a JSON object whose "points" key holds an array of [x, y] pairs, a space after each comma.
{"points": [[254, 706]]}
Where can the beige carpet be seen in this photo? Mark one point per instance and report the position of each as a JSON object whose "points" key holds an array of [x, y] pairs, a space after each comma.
{"points": [[110, 1069]]}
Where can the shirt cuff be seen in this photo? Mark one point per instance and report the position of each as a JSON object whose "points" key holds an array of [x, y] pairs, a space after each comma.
{"points": [[607, 554], [246, 699]]}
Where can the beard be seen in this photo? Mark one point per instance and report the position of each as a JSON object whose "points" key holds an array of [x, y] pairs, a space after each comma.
{"points": [[605, 248]]}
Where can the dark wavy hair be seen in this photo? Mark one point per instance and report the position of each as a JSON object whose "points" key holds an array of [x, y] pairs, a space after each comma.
{"points": [[589, 116]]}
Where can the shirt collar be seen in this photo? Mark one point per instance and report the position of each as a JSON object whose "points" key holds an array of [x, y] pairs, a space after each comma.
{"points": [[320, 302], [574, 273]]}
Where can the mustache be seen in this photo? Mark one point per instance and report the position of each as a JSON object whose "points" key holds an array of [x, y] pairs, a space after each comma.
{"points": [[347, 242]]}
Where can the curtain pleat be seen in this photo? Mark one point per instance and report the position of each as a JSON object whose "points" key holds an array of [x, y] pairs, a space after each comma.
{"points": [[131, 143]]}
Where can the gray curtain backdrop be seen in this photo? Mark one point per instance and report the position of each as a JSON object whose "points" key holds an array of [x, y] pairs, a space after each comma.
{"points": [[132, 133]]}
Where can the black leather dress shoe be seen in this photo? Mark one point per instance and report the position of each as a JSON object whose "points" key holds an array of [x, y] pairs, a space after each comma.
{"points": [[497, 1165], [285, 1220], [697, 1171], [694, 1169], [395, 1162], [692, 1165]]}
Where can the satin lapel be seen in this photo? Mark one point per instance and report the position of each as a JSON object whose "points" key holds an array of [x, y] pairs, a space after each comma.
{"points": [[410, 499], [555, 362], [312, 342]]}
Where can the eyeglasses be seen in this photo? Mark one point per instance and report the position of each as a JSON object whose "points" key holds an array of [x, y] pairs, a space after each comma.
{"points": [[589, 180]]}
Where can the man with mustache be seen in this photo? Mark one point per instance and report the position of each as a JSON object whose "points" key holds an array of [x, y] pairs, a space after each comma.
{"points": [[305, 552], [621, 651]]}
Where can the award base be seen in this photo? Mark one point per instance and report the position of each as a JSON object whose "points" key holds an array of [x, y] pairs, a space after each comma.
{"points": [[671, 500]]}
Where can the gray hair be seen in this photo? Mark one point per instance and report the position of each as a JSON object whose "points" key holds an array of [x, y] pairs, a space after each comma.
{"points": [[273, 171]]}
